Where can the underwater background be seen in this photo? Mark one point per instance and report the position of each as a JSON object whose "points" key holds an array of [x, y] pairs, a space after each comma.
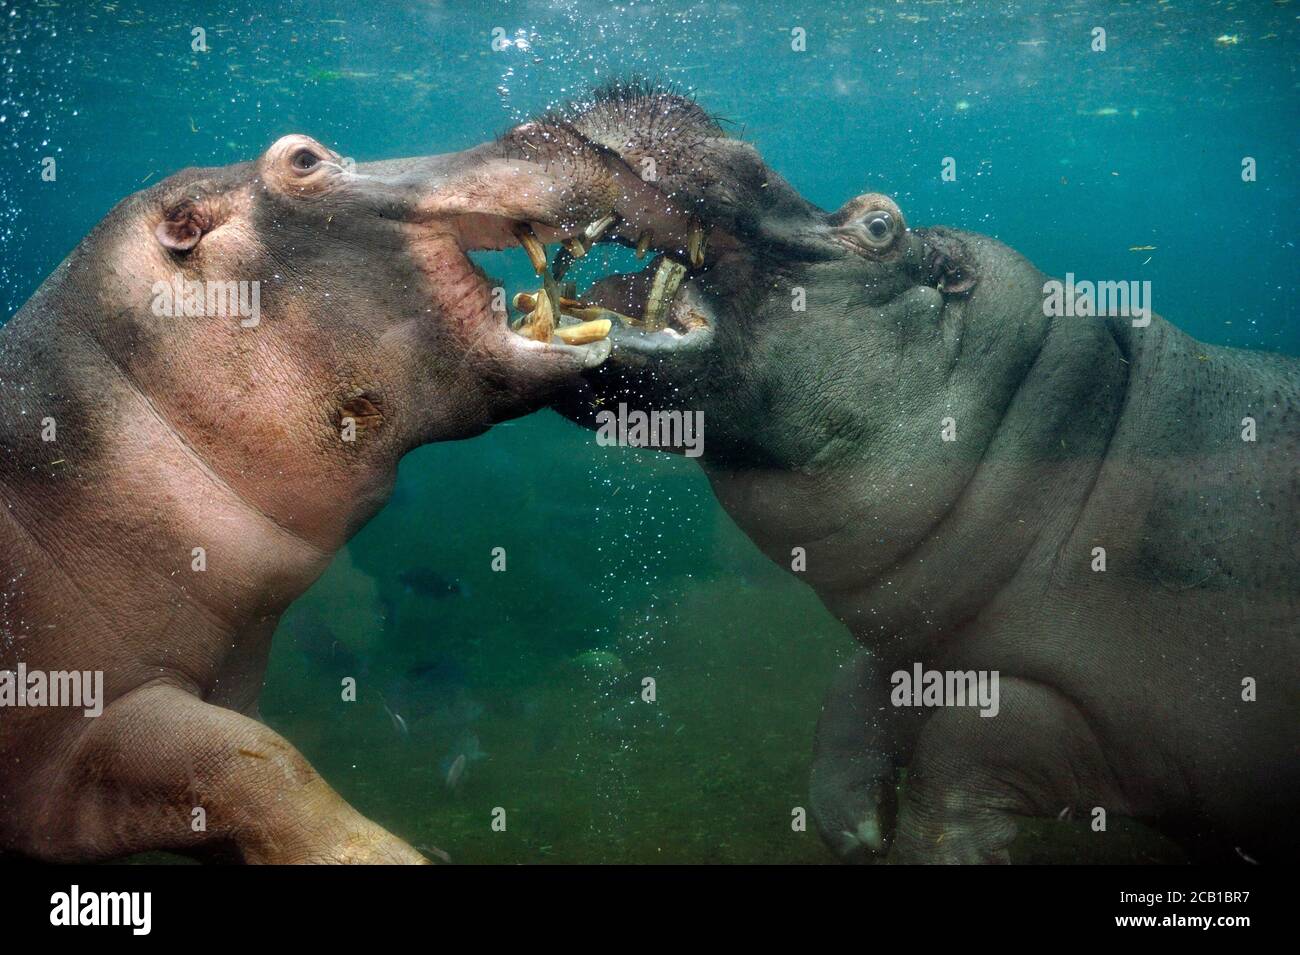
{"points": [[521, 689]]}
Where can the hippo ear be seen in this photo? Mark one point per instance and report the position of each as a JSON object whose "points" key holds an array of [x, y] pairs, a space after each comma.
{"points": [[182, 226]]}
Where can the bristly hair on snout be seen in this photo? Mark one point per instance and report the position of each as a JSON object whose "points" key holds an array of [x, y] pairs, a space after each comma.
{"points": [[655, 108]]}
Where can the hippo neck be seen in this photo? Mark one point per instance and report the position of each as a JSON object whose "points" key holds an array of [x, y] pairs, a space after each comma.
{"points": [[1033, 479], [131, 524]]}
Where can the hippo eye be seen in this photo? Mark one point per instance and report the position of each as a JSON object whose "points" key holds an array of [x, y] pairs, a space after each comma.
{"points": [[870, 224], [304, 160], [880, 225]]}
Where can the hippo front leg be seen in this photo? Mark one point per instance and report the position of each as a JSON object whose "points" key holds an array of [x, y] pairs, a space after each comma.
{"points": [[971, 776], [134, 779], [862, 740]]}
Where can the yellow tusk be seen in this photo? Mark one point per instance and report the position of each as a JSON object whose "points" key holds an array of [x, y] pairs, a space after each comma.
{"points": [[591, 235], [585, 333], [541, 323], [695, 243], [594, 313], [532, 245], [527, 301]]}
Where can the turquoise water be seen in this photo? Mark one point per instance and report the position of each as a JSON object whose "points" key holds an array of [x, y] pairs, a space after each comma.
{"points": [[1071, 156]]}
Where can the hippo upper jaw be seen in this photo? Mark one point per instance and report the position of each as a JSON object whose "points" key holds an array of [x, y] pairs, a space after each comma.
{"points": [[457, 203]]}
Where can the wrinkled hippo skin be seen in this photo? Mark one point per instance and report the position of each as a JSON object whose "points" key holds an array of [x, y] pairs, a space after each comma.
{"points": [[1125, 689], [266, 440]]}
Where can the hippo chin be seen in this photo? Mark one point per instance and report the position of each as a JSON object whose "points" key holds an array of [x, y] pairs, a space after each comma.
{"points": [[972, 487], [198, 408]]}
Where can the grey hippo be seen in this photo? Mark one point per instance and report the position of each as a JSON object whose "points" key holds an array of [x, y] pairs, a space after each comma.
{"points": [[197, 409], [1097, 510]]}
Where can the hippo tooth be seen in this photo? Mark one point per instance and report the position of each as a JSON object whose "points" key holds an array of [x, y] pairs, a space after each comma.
{"points": [[532, 245], [541, 322], [552, 290], [527, 301], [695, 243], [667, 280], [585, 333], [595, 313], [575, 247], [575, 308], [643, 243], [591, 235]]}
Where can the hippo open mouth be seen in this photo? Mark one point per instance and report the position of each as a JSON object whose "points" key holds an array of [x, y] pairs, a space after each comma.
{"points": [[466, 293], [620, 169], [659, 308]]}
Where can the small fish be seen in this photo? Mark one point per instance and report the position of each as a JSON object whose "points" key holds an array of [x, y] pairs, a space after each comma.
{"points": [[1227, 39], [1141, 248], [464, 752], [456, 772], [399, 724]]}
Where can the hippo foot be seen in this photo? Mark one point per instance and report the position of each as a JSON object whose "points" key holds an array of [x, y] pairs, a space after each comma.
{"points": [[860, 743], [200, 779], [981, 840], [360, 842], [318, 827], [856, 822], [971, 779]]}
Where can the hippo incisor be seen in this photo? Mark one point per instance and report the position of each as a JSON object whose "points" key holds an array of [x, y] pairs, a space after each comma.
{"points": [[1100, 510], [180, 456]]}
